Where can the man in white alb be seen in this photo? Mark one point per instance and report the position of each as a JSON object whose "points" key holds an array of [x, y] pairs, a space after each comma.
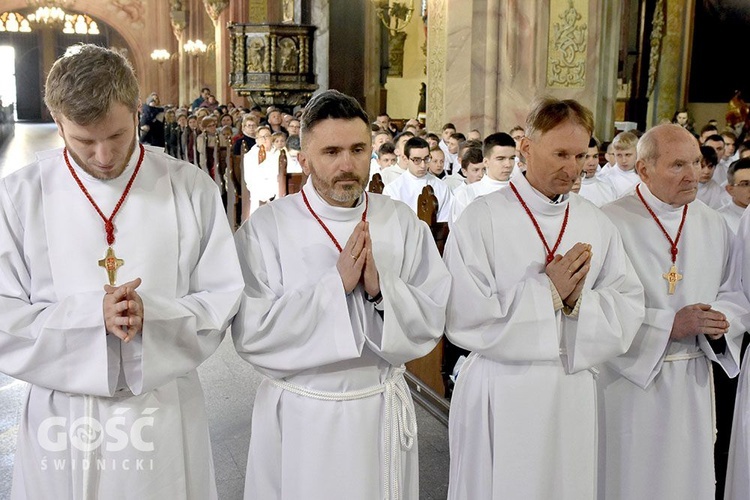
{"points": [[622, 176], [110, 342], [261, 182], [542, 294], [342, 288], [597, 191], [657, 408], [738, 187], [499, 150], [390, 174], [408, 187]]}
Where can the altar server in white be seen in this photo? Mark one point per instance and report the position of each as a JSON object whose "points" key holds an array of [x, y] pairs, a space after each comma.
{"points": [[595, 189], [542, 294], [110, 341], [343, 287], [409, 185], [499, 150], [657, 422]]}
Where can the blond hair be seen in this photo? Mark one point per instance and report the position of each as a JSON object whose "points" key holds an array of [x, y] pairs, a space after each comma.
{"points": [[83, 84]]}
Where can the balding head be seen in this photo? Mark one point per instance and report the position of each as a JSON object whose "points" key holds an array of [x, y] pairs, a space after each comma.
{"points": [[669, 163]]}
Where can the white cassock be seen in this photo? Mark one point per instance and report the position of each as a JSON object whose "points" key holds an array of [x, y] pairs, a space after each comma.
{"points": [[523, 413], [262, 179], [721, 170], [374, 167], [298, 327], [469, 192], [657, 410], [732, 213], [738, 468], [712, 194], [145, 395], [622, 181], [408, 187], [454, 181], [597, 191], [390, 174]]}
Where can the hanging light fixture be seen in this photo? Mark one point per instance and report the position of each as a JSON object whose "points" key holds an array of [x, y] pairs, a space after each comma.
{"points": [[48, 12]]}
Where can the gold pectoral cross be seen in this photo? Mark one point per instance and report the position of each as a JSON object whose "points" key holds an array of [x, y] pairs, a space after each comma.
{"points": [[672, 277], [110, 263]]}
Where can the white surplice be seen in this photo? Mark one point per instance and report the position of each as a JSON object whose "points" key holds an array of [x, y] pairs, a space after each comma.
{"points": [[297, 324], [261, 178], [469, 192], [656, 400], [172, 232], [523, 413], [738, 467], [597, 191], [732, 213], [622, 181], [390, 174], [454, 181], [408, 187], [712, 194]]}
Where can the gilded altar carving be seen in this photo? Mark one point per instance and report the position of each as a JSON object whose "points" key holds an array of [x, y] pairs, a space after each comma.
{"points": [[657, 35], [256, 55], [288, 56], [566, 59]]}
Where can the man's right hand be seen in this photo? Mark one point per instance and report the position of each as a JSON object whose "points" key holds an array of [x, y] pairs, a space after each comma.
{"points": [[123, 310], [696, 319]]}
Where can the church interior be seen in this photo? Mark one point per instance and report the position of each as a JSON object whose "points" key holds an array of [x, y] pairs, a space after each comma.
{"points": [[478, 64]]}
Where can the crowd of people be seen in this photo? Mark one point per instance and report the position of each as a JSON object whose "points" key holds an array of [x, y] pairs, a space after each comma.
{"points": [[597, 303]]}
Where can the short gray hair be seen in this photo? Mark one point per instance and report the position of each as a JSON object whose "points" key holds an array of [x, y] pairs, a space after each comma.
{"points": [[83, 84]]}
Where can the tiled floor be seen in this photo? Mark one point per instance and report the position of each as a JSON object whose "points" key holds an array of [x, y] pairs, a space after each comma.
{"points": [[229, 384]]}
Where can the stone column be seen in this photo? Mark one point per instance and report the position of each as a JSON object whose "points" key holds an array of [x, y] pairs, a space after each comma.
{"points": [[497, 56], [672, 75], [319, 18]]}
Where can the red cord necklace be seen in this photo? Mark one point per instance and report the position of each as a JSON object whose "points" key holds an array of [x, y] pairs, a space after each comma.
{"points": [[110, 262], [550, 251], [673, 276], [323, 224]]}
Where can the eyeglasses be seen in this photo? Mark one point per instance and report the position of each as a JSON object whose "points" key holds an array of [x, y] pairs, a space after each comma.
{"points": [[425, 160], [742, 184]]}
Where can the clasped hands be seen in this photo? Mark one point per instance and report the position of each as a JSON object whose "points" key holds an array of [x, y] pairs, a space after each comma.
{"points": [[123, 310], [568, 272], [356, 264], [695, 319]]}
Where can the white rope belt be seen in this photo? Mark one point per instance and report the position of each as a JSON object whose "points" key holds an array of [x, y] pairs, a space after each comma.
{"points": [[683, 356], [686, 356], [400, 419]]}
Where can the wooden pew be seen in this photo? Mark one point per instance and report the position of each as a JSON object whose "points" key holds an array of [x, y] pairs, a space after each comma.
{"points": [[289, 183], [427, 376]]}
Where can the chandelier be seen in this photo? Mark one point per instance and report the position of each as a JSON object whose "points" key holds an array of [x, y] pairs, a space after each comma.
{"points": [[48, 12]]}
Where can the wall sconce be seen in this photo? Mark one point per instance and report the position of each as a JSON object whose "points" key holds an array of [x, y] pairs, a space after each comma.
{"points": [[161, 55], [196, 47], [393, 14]]}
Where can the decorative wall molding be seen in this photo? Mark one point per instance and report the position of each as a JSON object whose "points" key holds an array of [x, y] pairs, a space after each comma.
{"points": [[568, 33], [214, 8], [436, 50]]}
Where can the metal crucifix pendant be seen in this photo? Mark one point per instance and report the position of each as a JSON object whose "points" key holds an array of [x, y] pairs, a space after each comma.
{"points": [[672, 277], [110, 263]]}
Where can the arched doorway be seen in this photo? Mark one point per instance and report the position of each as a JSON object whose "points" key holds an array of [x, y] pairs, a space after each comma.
{"points": [[35, 51]]}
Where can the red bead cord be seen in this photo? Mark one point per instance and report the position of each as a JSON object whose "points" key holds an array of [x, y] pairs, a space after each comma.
{"points": [[673, 244], [323, 224], [109, 226], [550, 252]]}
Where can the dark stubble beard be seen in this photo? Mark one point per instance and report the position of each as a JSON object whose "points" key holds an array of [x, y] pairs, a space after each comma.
{"points": [[348, 195]]}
